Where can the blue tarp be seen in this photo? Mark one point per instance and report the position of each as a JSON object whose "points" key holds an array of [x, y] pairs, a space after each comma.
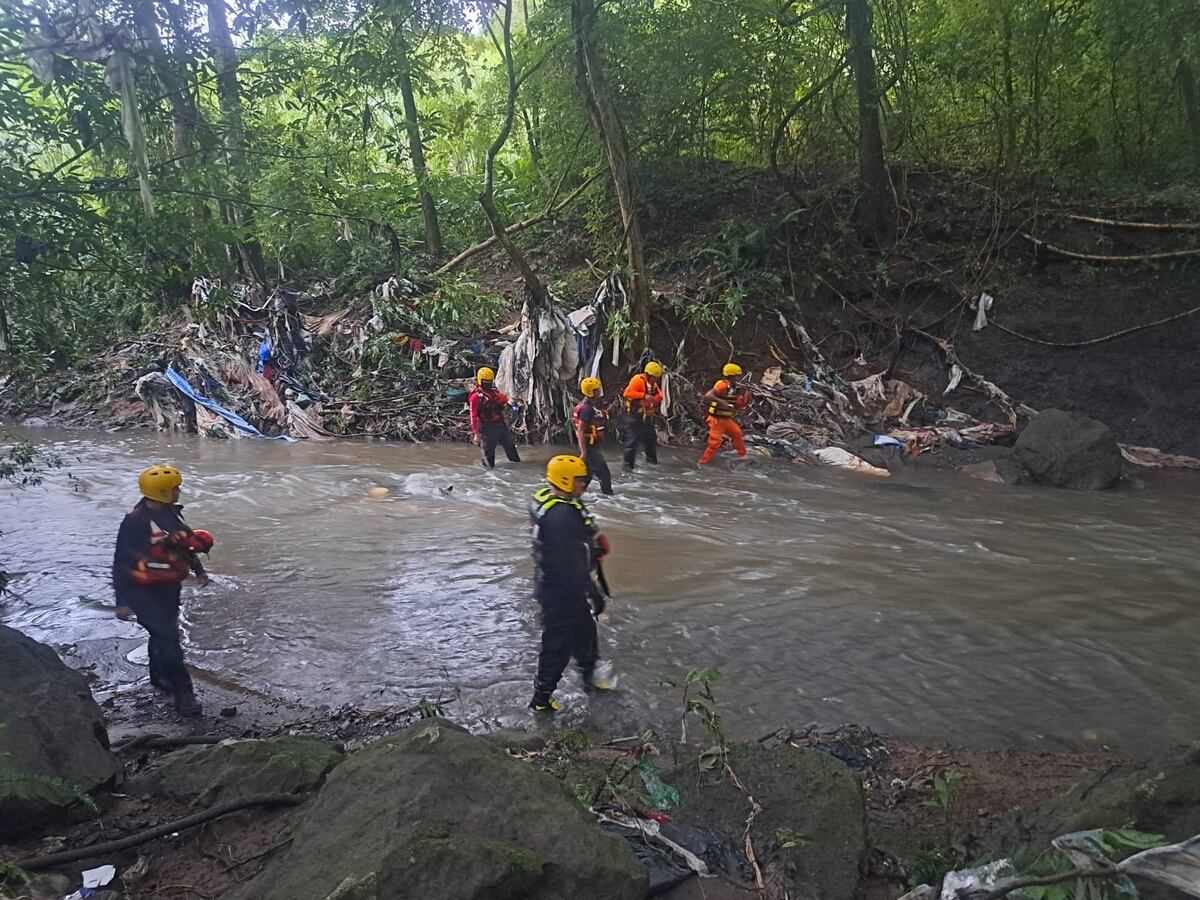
{"points": [[181, 385]]}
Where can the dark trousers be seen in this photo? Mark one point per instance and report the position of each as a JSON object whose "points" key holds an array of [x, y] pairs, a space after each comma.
{"points": [[638, 432], [158, 613], [598, 468], [492, 434], [564, 636]]}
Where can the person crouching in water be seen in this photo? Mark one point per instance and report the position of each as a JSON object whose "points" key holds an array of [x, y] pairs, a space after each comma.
{"points": [[488, 427], [591, 423], [156, 551], [567, 551], [725, 399]]}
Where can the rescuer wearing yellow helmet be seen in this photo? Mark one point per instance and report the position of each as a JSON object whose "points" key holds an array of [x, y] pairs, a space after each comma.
{"points": [[643, 401], [591, 423], [725, 398], [155, 553], [568, 580], [488, 426]]}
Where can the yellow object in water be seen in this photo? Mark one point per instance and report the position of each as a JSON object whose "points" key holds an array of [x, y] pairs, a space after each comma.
{"points": [[378, 493]]}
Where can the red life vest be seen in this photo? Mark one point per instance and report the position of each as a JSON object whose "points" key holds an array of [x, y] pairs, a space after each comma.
{"points": [[169, 559], [491, 410], [594, 432]]}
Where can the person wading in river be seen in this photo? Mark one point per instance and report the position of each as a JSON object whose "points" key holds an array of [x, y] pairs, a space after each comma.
{"points": [[591, 422], [643, 401], [488, 427], [156, 551], [568, 581], [726, 398]]}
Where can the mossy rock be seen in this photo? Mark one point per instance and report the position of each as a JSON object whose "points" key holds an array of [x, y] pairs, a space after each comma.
{"points": [[53, 741], [233, 771], [433, 811], [807, 798]]}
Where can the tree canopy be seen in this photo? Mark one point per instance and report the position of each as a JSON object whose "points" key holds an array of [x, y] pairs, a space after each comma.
{"points": [[146, 142]]}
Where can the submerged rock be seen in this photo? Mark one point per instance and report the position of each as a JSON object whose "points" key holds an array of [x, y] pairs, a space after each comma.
{"points": [[234, 771], [1069, 450], [53, 741], [433, 811]]}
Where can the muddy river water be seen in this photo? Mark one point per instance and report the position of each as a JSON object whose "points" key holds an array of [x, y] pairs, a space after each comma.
{"points": [[922, 605]]}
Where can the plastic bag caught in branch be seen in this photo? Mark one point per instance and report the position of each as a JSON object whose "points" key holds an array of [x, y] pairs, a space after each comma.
{"points": [[118, 75], [1176, 865]]}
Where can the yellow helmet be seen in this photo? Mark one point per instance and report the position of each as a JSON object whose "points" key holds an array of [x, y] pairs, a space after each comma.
{"points": [[732, 370], [590, 386], [562, 471], [159, 483], [485, 374], [653, 369]]}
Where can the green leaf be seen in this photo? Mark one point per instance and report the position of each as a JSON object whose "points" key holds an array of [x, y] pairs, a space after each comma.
{"points": [[789, 839]]}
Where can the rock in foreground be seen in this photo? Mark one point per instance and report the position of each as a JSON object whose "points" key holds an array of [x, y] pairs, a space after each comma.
{"points": [[53, 742], [434, 812], [241, 769]]}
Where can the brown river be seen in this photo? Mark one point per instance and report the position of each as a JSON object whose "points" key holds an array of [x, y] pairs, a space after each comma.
{"points": [[927, 606]]}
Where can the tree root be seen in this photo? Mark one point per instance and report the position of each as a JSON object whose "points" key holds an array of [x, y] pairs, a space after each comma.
{"points": [[1100, 340], [37, 863], [1040, 246], [1146, 226]]}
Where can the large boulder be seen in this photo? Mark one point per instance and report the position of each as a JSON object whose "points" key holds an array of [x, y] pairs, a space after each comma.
{"points": [[434, 812], [1161, 798], [808, 799], [53, 742], [240, 769], [1069, 450]]}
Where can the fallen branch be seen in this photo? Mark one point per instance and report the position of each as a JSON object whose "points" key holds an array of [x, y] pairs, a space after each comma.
{"points": [[1006, 888], [108, 848], [1040, 245], [755, 809], [517, 227], [160, 742], [1011, 408], [1147, 226], [1099, 340]]}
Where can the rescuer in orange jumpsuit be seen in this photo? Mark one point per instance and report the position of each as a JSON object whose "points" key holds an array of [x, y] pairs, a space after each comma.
{"points": [[724, 400]]}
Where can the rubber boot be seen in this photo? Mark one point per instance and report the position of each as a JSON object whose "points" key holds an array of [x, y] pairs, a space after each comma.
{"points": [[543, 702], [187, 705]]}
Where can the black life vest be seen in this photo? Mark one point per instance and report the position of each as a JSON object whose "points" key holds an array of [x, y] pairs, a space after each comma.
{"points": [[544, 499], [594, 432]]}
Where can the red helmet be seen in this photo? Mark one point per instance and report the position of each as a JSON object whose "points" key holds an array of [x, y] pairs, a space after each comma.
{"points": [[200, 541]]}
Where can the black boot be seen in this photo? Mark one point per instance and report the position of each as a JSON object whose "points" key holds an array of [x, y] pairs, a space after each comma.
{"points": [[187, 705], [544, 702]]}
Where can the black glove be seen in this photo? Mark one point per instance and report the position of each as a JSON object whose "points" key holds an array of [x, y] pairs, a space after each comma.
{"points": [[596, 596]]}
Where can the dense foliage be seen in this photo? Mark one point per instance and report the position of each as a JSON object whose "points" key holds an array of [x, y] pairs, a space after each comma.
{"points": [[144, 142]]}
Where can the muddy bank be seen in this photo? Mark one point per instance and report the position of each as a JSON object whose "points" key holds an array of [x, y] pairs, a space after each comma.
{"points": [[903, 830]]}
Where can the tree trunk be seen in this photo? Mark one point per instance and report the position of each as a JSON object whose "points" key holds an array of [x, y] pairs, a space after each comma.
{"points": [[876, 211], [184, 115], [229, 98], [1009, 154], [416, 151], [1191, 103], [487, 199], [593, 84]]}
